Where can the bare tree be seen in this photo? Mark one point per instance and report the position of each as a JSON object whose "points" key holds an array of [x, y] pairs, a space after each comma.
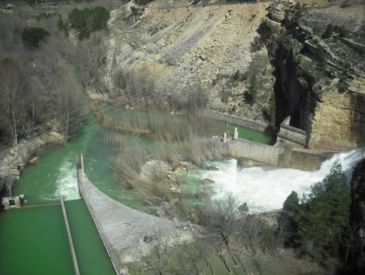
{"points": [[89, 57], [221, 218], [12, 87]]}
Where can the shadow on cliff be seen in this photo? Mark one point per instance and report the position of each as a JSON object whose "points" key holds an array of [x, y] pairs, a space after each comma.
{"points": [[358, 119]]}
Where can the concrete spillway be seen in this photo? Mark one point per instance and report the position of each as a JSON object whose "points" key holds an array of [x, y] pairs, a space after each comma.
{"points": [[69, 237], [127, 234]]}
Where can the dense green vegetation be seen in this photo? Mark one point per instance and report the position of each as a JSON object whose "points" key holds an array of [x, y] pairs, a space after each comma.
{"points": [[88, 20], [63, 26], [318, 222], [33, 36]]}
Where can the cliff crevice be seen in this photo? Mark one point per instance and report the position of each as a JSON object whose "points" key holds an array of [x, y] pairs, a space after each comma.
{"points": [[318, 76]]}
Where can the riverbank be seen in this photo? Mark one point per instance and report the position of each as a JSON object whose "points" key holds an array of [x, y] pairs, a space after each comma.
{"points": [[15, 158]]}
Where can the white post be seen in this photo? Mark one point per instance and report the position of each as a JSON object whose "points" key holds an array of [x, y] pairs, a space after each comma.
{"points": [[225, 137], [82, 163], [235, 133]]}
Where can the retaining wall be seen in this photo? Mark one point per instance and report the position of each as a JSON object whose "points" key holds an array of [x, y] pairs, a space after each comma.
{"points": [[292, 134], [303, 159], [237, 120], [242, 148]]}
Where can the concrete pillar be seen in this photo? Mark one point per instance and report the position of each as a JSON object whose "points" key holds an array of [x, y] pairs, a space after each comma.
{"points": [[235, 136], [17, 202], [82, 162]]}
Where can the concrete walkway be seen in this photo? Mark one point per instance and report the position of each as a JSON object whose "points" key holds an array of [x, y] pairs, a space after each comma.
{"points": [[128, 234]]}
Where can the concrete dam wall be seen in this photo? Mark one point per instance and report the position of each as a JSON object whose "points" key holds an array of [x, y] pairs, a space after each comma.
{"points": [[242, 148], [297, 158]]}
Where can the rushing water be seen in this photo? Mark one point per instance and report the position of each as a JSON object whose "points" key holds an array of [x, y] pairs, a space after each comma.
{"points": [[266, 188]]}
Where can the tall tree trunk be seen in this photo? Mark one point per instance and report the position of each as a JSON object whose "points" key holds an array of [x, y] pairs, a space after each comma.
{"points": [[67, 122], [14, 128]]}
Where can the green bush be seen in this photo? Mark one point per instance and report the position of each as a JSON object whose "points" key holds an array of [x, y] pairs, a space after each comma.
{"points": [[89, 20], [322, 216], [321, 56], [63, 26], [292, 202], [33, 36], [253, 87]]}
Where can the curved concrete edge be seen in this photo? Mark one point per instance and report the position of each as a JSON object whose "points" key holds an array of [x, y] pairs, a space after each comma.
{"points": [[113, 258], [129, 235]]}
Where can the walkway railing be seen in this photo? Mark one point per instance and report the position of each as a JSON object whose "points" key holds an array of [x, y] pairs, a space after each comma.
{"points": [[69, 237]]}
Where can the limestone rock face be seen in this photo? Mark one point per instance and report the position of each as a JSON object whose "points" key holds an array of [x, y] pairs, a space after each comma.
{"points": [[174, 49], [319, 73], [338, 121], [277, 12]]}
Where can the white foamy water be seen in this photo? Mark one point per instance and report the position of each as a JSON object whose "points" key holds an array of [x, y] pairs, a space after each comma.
{"points": [[67, 182], [265, 189]]}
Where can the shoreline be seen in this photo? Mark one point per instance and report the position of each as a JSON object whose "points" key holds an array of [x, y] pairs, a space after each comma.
{"points": [[16, 158]]}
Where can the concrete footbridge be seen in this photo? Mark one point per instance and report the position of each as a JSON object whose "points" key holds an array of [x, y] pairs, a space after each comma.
{"points": [[128, 234]]}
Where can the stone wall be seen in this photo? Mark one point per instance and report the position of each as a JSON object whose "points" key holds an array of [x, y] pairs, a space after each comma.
{"points": [[292, 136], [303, 159], [237, 120]]}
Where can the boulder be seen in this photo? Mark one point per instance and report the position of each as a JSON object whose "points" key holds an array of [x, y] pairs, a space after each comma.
{"points": [[202, 196]]}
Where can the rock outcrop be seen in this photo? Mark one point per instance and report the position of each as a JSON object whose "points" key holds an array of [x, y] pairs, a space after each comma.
{"points": [[289, 62], [319, 77], [15, 158], [176, 52]]}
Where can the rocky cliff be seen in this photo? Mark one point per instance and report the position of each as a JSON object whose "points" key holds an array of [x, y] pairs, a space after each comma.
{"points": [[260, 61], [319, 71], [173, 52]]}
